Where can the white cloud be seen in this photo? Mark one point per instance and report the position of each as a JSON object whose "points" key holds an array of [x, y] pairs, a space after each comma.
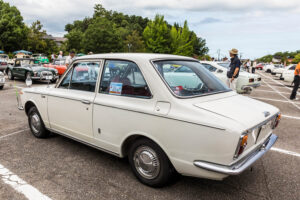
{"points": [[256, 27]]}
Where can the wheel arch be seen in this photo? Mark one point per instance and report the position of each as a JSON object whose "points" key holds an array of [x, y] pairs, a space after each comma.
{"points": [[29, 104], [128, 141]]}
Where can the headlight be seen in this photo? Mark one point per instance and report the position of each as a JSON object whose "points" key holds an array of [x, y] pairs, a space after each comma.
{"points": [[35, 73]]}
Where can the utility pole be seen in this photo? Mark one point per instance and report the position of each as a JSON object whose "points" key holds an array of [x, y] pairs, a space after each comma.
{"points": [[218, 51]]}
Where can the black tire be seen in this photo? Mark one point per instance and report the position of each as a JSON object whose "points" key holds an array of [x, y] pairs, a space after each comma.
{"points": [[10, 75], [165, 169], [1, 87], [268, 71], [38, 130]]}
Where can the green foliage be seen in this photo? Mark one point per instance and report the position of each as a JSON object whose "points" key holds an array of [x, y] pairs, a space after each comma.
{"points": [[199, 45], [13, 32], [181, 41], [266, 59], [157, 36], [297, 58], [134, 43], [36, 41], [98, 38]]}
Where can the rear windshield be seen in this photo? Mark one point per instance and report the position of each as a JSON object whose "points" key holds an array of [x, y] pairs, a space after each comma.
{"points": [[189, 78]]}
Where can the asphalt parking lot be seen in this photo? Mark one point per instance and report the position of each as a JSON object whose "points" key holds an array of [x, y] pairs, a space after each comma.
{"points": [[59, 168]]}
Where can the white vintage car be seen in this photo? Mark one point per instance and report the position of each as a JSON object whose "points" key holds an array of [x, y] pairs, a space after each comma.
{"points": [[164, 121], [245, 82], [279, 71], [2, 80], [288, 74]]}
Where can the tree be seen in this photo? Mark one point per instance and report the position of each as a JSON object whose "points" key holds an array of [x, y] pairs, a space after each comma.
{"points": [[157, 36], [74, 41], [101, 37], [181, 43], [37, 40], [297, 58], [134, 43], [13, 32], [199, 45]]}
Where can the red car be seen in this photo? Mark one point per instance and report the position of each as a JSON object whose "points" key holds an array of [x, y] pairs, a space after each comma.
{"points": [[260, 66], [60, 65]]}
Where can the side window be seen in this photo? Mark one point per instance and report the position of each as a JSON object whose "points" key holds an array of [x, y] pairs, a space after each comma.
{"points": [[84, 76], [18, 63], [293, 67], [66, 81], [209, 67], [123, 78]]}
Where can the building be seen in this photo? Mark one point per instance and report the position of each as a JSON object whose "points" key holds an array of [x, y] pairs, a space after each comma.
{"points": [[58, 40]]}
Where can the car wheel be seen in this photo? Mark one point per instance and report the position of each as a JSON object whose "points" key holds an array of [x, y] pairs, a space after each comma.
{"points": [[149, 163], [10, 76], [1, 87], [36, 123]]}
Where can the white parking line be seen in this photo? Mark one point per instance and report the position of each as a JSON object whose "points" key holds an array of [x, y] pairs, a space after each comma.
{"points": [[20, 185], [271, 91], [284, 96], [267, 99], [291, 153], [292, 117], [14, 133]]}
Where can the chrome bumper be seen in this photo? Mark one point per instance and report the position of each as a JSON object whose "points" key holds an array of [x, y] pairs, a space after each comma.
{"points": [[244, 87], [241, 165], [43, 77]]}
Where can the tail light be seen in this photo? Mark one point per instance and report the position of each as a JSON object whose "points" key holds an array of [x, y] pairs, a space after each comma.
{"points": [[276, 121], [251, 80], [241, 145]]}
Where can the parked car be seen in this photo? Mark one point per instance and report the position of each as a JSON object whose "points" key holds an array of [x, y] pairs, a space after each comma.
{"points": [[2, 80], [27, 68], [59, 65], [279, 71], [275, 68], [245, 82], [163, 121], [268, 68], [3, 62], [288, 74], [260, 66], [40, 58]]}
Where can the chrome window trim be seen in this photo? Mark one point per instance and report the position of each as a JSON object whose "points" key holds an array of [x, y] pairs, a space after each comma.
{"points": [[165, 82]]}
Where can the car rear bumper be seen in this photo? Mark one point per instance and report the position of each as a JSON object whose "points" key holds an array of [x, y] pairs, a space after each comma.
{"points": [[43, 78], [241, 165]]}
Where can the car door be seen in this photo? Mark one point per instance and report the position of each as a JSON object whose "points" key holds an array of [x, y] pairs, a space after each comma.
{"points": [[16, 68], [70, 104], [122, 99]]}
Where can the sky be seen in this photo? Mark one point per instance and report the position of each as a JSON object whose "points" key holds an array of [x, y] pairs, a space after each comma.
{"points": [[254, 27]]}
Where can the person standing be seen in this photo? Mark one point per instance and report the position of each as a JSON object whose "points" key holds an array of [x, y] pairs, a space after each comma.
{"points": [[296, 82], [248, 65], [234, 69], [70, 58], [60, 56]]}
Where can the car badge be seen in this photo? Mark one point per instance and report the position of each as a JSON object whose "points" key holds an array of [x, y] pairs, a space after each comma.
{"points": [[266, 113]]}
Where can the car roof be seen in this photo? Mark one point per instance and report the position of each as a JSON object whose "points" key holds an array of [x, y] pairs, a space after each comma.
{"points": [[135, 56]]}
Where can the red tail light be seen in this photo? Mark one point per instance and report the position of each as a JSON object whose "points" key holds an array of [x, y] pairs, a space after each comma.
{"points": [[251, 80]]}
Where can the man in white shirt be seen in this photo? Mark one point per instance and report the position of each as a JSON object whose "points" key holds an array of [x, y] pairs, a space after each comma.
{"points": [[70, 58], [60, 56]]}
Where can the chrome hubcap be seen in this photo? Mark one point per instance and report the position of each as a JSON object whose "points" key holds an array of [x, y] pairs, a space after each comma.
{"points": [[35, 123], [146, 162]]}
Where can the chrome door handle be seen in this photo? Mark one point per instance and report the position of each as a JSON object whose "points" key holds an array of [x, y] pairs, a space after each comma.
{"points": [[43, 96], [85, 101]]}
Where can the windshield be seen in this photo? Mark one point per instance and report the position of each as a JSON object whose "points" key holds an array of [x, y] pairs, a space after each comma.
{"points": [[3, 57], [32, 63], [189, 78], [226, 65]]}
